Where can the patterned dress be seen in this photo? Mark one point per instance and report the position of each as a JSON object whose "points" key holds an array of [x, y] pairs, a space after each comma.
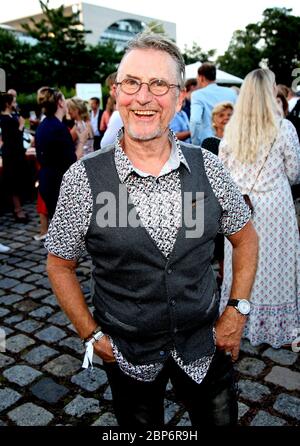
{"points": [[275, 314]]}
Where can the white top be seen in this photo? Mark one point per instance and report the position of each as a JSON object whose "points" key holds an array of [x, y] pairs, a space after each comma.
{"points": [[114, 125]]}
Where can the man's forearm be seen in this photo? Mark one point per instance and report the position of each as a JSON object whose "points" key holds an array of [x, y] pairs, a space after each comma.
{"points": [[67, 289]]}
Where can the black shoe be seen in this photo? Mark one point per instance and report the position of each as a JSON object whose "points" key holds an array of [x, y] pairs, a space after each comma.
{"points": [[19, 219]]}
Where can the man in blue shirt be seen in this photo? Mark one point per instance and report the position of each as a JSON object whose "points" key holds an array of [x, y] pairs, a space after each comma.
{"points": [[203, 101]]}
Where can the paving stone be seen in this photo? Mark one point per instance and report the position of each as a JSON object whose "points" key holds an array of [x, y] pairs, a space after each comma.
{"points": [[39, 269], [5, 360], [8, 331], [3, 312], [39, 354], [5, 268], [10, 299], [26, 306], [107, 419], [8, 397], [59, 319], [17, 343], [44, 282], [51, 335], [13, 320], [90, 380], [21, 374], [184, 420], [247, 348], [48, 390], [38, 294], [2, 423], [81, 406], [74, 344], [17, 273], [107, 395], [251, 366], [263, 418], [288, 405], [253, 391], [50, 300], [8, 283], [29, 325], [242, 409], [171, 409], [30, 415], [27, 263], [42, 312], [64, 365], [32, 278], [281, 356], [282, 376], [23, 288]]}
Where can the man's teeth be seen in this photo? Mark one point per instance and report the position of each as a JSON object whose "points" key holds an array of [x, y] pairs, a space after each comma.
{"points": [[144, 112]]}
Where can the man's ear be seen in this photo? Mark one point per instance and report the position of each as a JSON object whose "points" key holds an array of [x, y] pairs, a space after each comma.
{"points": [[180, 99]]}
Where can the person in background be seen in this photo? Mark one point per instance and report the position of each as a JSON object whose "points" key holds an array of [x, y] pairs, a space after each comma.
{"points": [[115, 121], [203, 101], [190, 86], [95, 119], [181, 126], [13, 154], [155, 297], [55, 149], [82, 129], [221, 114], [283, 103], [262, 153], [109, 109]]}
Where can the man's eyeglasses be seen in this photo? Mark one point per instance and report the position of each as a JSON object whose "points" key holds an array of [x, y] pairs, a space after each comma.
{"points": [[157, 87]]}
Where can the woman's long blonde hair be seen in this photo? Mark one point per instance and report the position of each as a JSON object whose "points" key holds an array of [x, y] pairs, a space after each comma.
{"points": [[254, 123]]}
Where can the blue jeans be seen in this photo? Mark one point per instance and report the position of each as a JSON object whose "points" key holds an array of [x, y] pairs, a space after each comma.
{"points": [[211, 403]]}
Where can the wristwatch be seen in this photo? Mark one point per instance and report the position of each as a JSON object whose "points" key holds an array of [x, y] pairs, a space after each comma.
{"points": [[241, 305]]}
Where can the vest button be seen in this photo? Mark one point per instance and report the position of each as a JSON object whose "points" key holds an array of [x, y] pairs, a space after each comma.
{"points": [[169, 271], [162, 353], [173, 302]]}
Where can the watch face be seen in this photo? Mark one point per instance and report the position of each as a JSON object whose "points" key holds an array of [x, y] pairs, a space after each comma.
{"points": [[244, 306]]}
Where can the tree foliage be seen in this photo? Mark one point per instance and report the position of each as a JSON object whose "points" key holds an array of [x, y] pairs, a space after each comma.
{"points": [[275, 39], [196, 54]]}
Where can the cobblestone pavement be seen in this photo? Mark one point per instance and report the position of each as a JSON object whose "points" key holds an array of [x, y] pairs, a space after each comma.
{"points": [[41, 380]]}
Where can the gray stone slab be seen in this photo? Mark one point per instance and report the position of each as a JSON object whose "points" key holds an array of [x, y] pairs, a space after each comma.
{"points": [[8, 283], [282, 376], [106, 419], [48, 390], [42, 312], [81, 406], [3, 312], [8, 331], [21, 374], [38, 294], [32, 278], [107, 395], [8, 397], [39, 269], [59, 319], [5, 268], [16, 344], [247, 348], [5, 360], [288, 405], [51, 335], [73, 343], [13, 320], [23, 288], [64, 365], [51, 300], [171, 410], [27, 263], [17, 273], [44, 283], [242, 409], [253, 391], [263, 418], [10, 299], [30, 415], [39, 354], [281, 356], [90, 380], [26, 305], [29, 325], [251, 366]]}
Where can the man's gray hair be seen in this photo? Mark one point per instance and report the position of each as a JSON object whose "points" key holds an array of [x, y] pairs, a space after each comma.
{"points": [[147, 40]]}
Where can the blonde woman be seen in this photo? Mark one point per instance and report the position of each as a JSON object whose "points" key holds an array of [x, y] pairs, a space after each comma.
{"points": [[82, 132], [220, 116], [261, 151]]}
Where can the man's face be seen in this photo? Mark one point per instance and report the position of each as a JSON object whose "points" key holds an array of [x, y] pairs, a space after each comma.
{"points": [[94, 105], [144, 115]]}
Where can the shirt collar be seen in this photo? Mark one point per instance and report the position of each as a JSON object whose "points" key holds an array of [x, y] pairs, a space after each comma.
{"points": [[125, 167]]}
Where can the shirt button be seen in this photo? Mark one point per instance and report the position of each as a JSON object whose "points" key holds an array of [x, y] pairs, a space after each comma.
{"points": [[169, 271], [173, 302], [162, 353]]}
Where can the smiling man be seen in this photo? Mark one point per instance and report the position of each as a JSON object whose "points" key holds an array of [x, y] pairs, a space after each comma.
{"points": [[155, 296]]}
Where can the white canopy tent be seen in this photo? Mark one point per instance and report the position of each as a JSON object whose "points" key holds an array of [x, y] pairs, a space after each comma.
{"points": [[222, 77]]}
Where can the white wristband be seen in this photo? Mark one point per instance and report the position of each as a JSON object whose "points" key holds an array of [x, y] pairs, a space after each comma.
{"points": [[89, 350]]}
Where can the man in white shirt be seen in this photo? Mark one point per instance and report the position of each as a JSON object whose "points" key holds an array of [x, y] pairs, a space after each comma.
{"points": [[95, 117]]}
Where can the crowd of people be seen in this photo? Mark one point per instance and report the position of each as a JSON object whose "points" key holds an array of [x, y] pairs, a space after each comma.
{"points": [[160, 313]]}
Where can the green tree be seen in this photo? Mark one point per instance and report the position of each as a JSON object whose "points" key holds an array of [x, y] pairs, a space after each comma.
{"points": [[275, 39], [196, 54]]}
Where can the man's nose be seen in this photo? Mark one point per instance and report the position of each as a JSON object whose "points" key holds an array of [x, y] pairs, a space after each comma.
{"points": [[144, 95]]}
